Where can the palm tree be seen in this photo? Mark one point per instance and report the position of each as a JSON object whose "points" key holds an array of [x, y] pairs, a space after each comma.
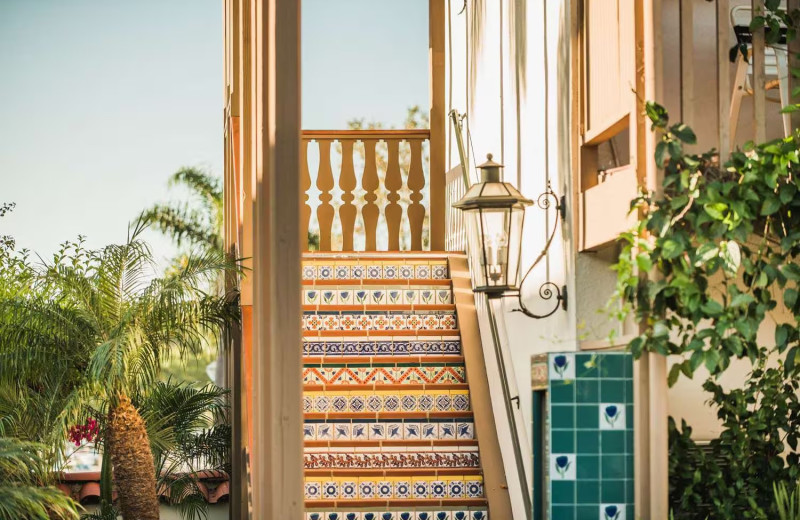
{"points": [[127, 321], [190, 438], [198, 223], [26, 492]]}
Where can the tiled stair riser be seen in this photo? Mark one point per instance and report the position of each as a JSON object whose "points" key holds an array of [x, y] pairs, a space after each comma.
{"points": [[413, 439], [372, 458], [393, 488], [364, 347], [378, 321], [409, 430], [383, 295], [321, 270], [382, 375], [458, 514], [386, 401]]}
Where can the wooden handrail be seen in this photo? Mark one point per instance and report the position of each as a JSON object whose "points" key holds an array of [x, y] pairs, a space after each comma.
{"points": [[412, 133]]}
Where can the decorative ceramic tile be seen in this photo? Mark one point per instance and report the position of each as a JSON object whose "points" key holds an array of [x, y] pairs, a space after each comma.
{"points": [[411, 296], [562, 366], [309, 272], [342, 272], [383, 375], [379, 321], [612, 512], [439, 272], [324, 272], [562, 466], [422, 272], [612, 416], [385, 489]]}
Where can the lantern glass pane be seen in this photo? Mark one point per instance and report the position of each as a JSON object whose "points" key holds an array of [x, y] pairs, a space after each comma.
{"points": [[474, 248], [495, 224], [517, 217]]}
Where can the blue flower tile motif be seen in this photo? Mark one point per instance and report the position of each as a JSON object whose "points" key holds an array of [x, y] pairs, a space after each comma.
{"points": [[313, 516], [562, 366], [478, 515], [345, 297], [394, 297], [443, 515], [333, 516], [329, 297], [426, 297], [387, 516], [378, 297], [612, 512], [424, 515], [405, 516], [312, 297], [369, 516], [562, 466], [351, 516], [460, 515], [612, 416]]}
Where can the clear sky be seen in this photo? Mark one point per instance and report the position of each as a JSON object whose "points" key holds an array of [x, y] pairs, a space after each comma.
{"points": [[101, 100]]}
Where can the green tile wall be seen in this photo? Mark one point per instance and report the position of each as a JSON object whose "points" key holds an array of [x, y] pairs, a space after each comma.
{"points": [[585, 456]]}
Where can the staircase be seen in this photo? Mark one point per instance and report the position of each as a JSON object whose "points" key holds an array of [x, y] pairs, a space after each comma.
{"points": [[388, 428]]}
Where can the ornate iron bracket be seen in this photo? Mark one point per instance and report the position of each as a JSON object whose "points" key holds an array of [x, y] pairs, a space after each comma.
{"points": [[548, 289]]}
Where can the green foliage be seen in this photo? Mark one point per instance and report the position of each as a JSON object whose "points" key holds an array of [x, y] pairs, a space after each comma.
{"points": [[711, 271], [787, 503], [734, 477], [724, 243], [26, 490], [195, 223]]}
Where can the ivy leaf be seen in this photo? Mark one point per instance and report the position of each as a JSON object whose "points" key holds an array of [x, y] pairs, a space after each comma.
{"points": [[781, 336], [684, 133], [771, 205], [790, 298], [674, 372], [742, 299], [788, 365], [791, 271], [657, 114], [712, 360], [731, 256], [716, 210], [661, 148], [671, 249]]}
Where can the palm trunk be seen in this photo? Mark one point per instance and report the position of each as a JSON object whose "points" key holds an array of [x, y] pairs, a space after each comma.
{"points": [[134, 471]]}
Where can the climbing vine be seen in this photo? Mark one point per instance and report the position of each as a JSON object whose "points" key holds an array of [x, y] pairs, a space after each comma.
{"points": [[712, 273]]}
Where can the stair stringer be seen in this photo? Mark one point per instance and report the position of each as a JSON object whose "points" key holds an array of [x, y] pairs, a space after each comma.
{"points": [[496, 486]]}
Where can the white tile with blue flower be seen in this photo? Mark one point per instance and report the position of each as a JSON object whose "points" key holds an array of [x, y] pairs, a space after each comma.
{"points": [[612, 512], [562, 466], [562, 366], [612, 416]]}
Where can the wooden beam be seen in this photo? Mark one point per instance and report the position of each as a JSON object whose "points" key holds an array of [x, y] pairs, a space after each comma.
{"points": [[759, 78], [438, 122], [687, 60], [723, 80], [794, 62], [277, 408], [651, 447]]}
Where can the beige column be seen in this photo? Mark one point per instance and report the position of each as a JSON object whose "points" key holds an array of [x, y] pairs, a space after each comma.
{"points": [[651, 455], [438, 121], [277, 483]]}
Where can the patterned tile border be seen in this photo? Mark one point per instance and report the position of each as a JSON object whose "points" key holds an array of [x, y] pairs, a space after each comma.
{"points": [[325, 270], [410, 401], [343, 458], [401, 514], [412, 487], [377, 296], [386, 375], [388, 430], [378, 321], [380, 348]]}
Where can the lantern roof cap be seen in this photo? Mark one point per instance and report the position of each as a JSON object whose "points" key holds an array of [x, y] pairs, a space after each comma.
{"points": [[491, 192]]}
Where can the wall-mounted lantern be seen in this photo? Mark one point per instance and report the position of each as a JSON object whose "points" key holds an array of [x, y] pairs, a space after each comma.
{"points": [[494, 213]]}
